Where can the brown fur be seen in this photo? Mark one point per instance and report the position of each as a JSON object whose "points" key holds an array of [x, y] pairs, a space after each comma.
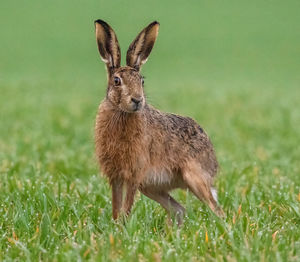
{"points": [[145, 149]]}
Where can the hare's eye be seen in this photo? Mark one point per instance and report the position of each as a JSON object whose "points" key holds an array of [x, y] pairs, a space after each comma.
{"points": [[142, 81], [117, 81]]}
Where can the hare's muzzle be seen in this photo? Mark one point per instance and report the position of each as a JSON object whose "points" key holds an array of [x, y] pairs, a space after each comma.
{"points": [[136, 103]]}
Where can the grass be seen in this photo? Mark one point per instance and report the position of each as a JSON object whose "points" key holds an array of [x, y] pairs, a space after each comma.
{"points": [[232, 66]]}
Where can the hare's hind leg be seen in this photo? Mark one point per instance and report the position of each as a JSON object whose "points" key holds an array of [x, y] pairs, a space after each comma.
{"points": [[117, 197], [167, 202], [197, 182]]}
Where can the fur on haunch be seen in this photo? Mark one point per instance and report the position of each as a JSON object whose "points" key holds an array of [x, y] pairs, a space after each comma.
{"points": [[140, 147]]}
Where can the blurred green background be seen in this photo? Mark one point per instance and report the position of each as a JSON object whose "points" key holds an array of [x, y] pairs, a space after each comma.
{"points": [[232, 65], [255, 41]]}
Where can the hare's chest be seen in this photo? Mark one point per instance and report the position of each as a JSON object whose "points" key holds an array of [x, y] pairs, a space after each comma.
{"points": [[120, 153], [119, 147], [121, 144]]}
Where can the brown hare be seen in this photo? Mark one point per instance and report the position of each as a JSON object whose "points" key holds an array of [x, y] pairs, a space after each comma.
{"points": [[138, 146]]}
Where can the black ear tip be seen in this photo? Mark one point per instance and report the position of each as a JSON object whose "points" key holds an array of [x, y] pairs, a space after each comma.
{"points": [[101, 22], [155, 23]]}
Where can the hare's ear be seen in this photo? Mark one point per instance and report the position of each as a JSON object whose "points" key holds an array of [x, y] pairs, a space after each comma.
{"points": [[141, 47], [108, 45]]}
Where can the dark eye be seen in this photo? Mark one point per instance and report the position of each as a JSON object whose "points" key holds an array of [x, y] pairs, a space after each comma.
{"points": [[117, 80], [143, 81]]}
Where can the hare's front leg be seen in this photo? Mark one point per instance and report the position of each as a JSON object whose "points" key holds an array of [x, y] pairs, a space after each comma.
{"points": [[117, 197], [131, 189]]}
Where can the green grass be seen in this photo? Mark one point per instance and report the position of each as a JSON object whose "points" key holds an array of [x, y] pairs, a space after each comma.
{"points": [[233, 66]]}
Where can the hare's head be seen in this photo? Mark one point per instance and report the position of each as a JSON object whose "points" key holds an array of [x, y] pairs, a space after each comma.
{"points": [[125, 84]]}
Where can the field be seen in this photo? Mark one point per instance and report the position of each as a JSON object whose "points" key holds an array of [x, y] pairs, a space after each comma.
{"points": [[233, 66]]}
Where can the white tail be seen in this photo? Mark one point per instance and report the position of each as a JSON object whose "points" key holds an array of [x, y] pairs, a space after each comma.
{"points": [[214, 193]]}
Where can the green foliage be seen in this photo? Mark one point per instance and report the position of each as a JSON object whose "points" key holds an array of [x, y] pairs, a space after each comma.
{"points": [[233, 66]]}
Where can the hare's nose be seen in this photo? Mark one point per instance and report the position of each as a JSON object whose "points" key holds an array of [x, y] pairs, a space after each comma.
{"points": [[136, 100]]}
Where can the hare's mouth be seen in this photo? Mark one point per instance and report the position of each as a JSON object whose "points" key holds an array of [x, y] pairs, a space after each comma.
{"points": [[132, 108]]}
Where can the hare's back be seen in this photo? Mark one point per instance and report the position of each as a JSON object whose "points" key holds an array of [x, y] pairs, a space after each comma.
{"points": [[189, 131]]}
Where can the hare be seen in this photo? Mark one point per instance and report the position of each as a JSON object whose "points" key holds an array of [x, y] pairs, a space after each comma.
{"points": [[140, 147]]}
